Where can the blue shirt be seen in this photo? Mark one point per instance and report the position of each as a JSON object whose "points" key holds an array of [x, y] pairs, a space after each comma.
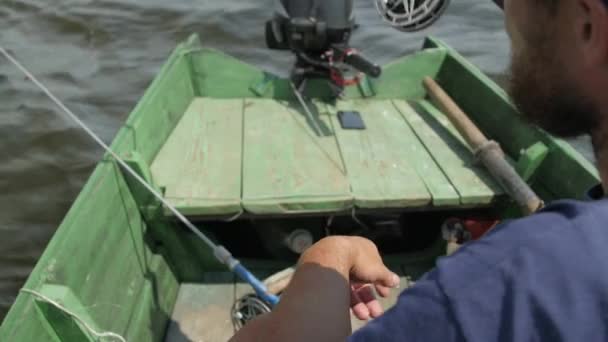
{"points": [[542, 278]]}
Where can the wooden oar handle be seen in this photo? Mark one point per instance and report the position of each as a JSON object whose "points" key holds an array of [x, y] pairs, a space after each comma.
{"points": [[459, 119], [494, 160], [488, 152]]}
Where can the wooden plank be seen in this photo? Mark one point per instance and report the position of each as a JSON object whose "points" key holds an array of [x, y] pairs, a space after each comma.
{"points": [[200, 164], [202, 311], [380, 167], [287, 167], [64, 326], [473, 183], [403, 77]]}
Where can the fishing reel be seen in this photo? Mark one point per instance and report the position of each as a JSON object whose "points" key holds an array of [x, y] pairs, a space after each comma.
{"points": [[318, 33], [246, 309], [251, 305]]}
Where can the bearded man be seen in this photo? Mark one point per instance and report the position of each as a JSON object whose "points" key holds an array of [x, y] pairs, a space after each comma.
{"points": [[541, 278]]}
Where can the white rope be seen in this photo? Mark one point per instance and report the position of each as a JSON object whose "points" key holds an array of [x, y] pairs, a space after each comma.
{"points": [[100, 142], [235, 216], [99, 335]]}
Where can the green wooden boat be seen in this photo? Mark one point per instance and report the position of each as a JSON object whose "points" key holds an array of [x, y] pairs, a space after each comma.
{"points": [[231, 148]]}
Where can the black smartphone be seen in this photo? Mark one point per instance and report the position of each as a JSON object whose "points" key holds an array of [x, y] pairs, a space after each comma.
{"points": [[351, 119]]}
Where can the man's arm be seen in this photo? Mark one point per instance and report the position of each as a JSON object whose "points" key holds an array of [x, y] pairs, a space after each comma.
{"points": [[315, 306]]}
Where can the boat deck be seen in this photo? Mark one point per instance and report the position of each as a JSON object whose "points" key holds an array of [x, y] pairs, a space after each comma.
{"points": [[202, 311], [264, 157]]}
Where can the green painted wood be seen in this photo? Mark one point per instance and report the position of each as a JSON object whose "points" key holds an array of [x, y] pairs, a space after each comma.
{"points": [[65, 327], [200, 164], [380, 169], [216, 74], [287, 168], [439, 186], [159, 294], [165, 101], [99, 248], [474, 185], [488, 105], [442, 191], [124, 259], [148, 204], [531, 159], [101, 243]]}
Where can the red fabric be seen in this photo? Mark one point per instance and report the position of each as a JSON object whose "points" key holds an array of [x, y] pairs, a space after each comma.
{"points": [[478, 227]]}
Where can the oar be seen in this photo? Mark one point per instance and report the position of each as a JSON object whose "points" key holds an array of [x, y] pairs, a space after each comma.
{"points": [[487, 151]]}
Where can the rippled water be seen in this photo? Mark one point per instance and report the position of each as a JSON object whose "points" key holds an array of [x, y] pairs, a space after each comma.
{"points": [[100, 55]]}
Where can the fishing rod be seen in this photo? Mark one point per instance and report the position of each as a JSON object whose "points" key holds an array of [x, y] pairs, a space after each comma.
{"points": [[220, 252]]}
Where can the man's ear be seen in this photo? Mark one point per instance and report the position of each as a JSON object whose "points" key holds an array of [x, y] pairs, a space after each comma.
{"points": [[591, 18]]}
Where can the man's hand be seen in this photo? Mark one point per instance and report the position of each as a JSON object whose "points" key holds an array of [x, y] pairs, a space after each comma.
{"points": [[366, 271], [359, 261], [335, 274]]}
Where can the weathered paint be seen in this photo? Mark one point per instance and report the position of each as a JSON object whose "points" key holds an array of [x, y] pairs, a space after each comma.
{"points": [[287, 166], [380, 170], [472, 182], [200, 164]]}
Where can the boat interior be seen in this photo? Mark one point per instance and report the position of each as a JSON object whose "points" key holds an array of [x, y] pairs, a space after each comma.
{"points": [[232, 149], [267, 167]]}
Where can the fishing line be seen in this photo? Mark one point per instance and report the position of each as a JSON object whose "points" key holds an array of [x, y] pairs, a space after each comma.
{"points": [[220, 252], [97, 334]]}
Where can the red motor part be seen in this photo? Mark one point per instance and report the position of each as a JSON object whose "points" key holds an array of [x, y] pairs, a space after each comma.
{"points": [[461, 230], [479, 226]]}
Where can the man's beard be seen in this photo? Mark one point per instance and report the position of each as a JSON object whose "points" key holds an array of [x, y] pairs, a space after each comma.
{"points": [[540, 90]]}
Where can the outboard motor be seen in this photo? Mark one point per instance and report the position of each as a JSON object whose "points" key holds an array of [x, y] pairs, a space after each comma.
{"points": [[318, 33]]}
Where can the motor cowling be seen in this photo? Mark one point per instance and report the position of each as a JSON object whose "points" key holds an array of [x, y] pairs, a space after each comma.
{"points": [[310, 25]]}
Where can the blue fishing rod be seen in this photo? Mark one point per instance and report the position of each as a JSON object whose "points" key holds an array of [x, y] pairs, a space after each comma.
{"points": [[220, 252]]}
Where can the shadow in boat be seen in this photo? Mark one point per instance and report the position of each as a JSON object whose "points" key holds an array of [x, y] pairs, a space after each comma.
{"points": [[141, 237]]}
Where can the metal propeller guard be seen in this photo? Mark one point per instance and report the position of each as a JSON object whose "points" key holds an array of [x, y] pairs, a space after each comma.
{"points": [[411, 15]]}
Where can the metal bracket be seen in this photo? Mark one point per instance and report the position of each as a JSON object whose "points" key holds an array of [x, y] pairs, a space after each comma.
{"points": [[261, 88], [366, 87], [530, 160]]}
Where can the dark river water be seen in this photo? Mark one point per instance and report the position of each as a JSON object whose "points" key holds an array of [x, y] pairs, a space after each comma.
{"points": [[100, 55]]}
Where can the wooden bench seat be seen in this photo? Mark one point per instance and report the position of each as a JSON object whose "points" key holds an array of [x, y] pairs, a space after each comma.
{"points": [[265, 157]]}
